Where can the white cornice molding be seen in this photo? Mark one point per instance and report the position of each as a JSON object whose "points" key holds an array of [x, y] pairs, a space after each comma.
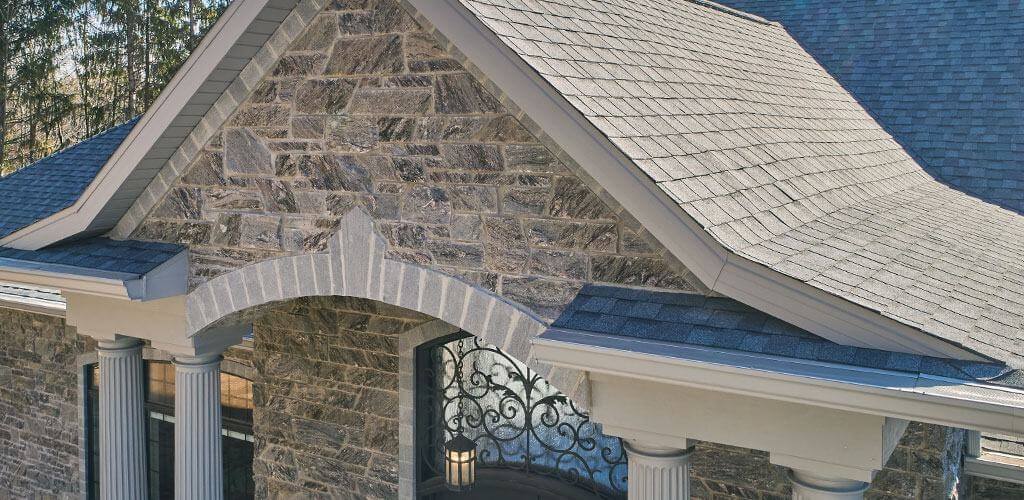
{"points": [[996, 466], [908, 396], [33, 305]]}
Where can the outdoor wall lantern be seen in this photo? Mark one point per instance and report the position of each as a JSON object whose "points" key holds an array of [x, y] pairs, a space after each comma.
{"points": [[460, 451], [460, 463]]}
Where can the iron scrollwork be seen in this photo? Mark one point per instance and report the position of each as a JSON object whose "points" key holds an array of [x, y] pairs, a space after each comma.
{"points": [[517, 419]]}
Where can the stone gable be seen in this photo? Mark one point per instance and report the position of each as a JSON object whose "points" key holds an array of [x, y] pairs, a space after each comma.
{"points": [[366, 109]]}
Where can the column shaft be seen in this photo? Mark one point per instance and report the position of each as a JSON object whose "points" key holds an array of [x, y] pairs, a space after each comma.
{"points": [[809, 486], [198, 455], [122, 420], [657, 473]]}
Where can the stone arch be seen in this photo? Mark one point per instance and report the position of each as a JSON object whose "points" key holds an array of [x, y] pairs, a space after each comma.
{"points": [[355, 264]]}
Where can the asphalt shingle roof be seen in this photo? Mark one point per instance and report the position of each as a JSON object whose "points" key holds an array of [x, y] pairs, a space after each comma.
{"points": [[946, 77], [127, 256], [55, 182], [772, 156], [723, 323]]}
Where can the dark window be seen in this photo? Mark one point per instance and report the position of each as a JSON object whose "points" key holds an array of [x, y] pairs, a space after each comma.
{"points": [[236, 414]]}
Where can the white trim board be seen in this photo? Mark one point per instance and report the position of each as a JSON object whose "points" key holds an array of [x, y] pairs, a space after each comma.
{"points": [[908, 396], [33, 305], [996, 466], [756, 285]]}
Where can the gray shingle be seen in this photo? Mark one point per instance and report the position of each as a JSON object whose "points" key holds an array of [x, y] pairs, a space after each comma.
{"points": [[844, 207], [127, 256], [943, 76], [55, 182]]}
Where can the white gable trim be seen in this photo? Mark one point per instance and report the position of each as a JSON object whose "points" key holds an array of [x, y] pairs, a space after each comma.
{"points": [[753, 284]]}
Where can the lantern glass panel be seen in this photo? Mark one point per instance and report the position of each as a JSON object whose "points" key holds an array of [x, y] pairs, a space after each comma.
{"points": [[460, 463]]}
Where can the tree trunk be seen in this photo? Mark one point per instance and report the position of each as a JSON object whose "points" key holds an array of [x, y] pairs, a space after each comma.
{"points": [[4, 51], [3, 116], [131, 45]]}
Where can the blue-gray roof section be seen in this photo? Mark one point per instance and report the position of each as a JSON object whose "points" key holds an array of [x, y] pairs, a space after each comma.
{"points": [[57, 181], [722, 323], [101, 254], [945, 77]]}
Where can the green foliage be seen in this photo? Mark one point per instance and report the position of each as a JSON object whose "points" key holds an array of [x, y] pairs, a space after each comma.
{"points": [[72, 68]]}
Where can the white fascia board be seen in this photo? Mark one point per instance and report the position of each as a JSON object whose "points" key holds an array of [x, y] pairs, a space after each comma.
{"points": [[200, 65], [66, 278], [997, 466], [166, 280], [793, 301], [908, 396], [33, 305]]}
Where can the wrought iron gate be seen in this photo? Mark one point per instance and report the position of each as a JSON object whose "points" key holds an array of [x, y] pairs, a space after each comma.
{"points": [[532, 441]]}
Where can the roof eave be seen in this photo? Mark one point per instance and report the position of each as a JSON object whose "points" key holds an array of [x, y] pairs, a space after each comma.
{"points": [[917, 397], [166, 280]]}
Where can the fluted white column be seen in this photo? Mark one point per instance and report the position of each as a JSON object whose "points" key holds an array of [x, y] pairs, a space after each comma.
{"points": [[198, 462], [122, 420], [809, 486], [657, 473]]}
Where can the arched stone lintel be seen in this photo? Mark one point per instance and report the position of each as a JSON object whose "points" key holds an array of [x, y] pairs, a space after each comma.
{"points": [[355, 265]]}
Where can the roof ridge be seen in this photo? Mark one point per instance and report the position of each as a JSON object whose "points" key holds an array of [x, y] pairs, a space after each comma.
{"points": [[733, 12]]}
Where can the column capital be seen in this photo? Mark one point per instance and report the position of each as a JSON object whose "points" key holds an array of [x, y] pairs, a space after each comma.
{"points": [[119, 343], [657, 453], [197, 363], [810, 486]]}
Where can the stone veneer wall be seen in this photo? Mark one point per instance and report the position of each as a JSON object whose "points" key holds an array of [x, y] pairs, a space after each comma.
{"points": [[39, 433], [926, 465], [326, 398], [365, 109]]}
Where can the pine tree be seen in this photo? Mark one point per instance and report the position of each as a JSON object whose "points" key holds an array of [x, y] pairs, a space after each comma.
{"points": [[72, 68], [32, 102]]}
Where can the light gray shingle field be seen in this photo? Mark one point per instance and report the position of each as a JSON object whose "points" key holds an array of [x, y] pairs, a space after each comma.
{"points": [[762, 147]]}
